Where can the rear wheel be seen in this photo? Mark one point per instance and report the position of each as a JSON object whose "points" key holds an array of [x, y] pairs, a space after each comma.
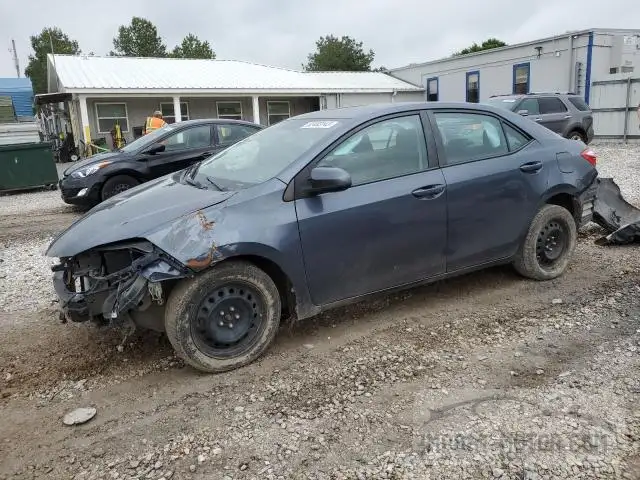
{"points": [[117, 184], [225, 318], [577, 136], [548, 245]]}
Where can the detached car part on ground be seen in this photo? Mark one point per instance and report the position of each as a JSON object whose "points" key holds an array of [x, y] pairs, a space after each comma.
{"points": [[615, 214], [322, 210]]}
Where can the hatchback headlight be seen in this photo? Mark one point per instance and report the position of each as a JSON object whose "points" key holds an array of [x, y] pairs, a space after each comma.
{"points": [[90, 170]]}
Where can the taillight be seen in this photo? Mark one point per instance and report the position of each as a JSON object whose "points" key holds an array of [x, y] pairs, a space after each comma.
{"points": [[590, 156]]}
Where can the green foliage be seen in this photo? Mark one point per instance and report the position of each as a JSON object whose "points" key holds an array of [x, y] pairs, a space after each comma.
{"points": [[41, 43], [193, 47], [139, 39], [486, 45], [339, 54]]}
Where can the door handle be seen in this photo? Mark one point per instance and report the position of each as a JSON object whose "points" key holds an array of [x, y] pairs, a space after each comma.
{"points": [[531, 167], [429, 192], [567, 117], [538, 119]]}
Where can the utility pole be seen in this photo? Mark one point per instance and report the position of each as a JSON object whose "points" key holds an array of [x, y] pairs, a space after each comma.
{"points": [[15, 57]]}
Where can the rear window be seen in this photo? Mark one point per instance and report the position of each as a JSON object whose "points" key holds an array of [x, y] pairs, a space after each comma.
{"points": [[579, 103]]}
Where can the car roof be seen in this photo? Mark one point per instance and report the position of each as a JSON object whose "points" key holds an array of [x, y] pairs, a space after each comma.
{"points": [[203, 121], [364, 112], [536, 94]]}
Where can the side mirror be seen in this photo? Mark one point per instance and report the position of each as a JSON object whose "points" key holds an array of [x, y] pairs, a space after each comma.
{"points": [[524, 113], [329, 179], [155, 148]]}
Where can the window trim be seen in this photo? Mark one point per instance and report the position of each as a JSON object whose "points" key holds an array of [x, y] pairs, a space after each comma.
{"points": [[513, 82], [297, 183], [182, 118], [442, 154], [429, 80], [98, 118], [227, 117], [277, 101], [466, 87]]}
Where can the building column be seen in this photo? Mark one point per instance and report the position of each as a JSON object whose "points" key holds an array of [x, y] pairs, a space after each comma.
{"points": [[256, 109], [84, 119], [176, 109]]}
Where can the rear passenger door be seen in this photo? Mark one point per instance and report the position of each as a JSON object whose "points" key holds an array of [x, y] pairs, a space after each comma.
{"points": [[495, 177], [553, 114]]}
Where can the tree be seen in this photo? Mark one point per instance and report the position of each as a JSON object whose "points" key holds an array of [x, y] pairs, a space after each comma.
{"points": [[339, 54], [193, 47], [41, 43], [140, 39], [486, 45]]}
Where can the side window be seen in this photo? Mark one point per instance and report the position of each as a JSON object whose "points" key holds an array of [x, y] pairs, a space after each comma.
{"points": [[530, 105], [387, 149], [470, 136], [229, 134], [551, 105], [515, 139], [195, 137]]}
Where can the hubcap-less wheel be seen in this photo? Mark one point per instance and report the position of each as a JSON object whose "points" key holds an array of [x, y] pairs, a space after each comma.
{"points": [[551, 244], [229, 320], [577, 137]]}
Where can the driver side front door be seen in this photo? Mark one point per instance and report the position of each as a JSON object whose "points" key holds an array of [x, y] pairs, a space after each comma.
{"points": [[389, 227]]}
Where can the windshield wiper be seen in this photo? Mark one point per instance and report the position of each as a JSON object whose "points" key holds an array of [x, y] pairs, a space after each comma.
{"points": [[212, 182]]}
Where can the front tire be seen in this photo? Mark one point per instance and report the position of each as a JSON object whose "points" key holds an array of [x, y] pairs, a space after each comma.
{"points": [[224, 318], [548, 245], [117, 184]]}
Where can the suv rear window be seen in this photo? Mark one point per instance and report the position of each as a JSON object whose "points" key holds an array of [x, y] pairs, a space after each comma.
{"points": [[579, 103]]}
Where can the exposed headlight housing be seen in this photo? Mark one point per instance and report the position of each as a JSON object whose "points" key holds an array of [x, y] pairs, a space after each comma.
{"points": [[90, 170]]}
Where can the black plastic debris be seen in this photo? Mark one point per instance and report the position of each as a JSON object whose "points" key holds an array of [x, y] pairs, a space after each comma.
{"points": [[615, 214]]}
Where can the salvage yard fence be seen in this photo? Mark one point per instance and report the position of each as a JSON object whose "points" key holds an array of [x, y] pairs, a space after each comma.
{"points": [[614, 102]]}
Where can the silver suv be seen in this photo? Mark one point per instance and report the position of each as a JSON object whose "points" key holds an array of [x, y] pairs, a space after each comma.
{"points": [[567, 114]]}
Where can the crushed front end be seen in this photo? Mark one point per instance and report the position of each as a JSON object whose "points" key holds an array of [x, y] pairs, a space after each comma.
{"points": [[111, 283]]}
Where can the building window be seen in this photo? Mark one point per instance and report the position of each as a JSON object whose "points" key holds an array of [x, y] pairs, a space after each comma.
{"points": [[167, 112], [432, 89], [108, 114], [473, 87], [229, 110], [521, 80], [277, 111]]}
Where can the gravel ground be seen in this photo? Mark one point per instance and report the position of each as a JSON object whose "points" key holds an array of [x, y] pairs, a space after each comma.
{"points": [[484, 376]]}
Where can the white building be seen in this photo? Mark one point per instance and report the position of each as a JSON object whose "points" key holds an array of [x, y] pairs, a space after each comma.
{"points": [[104, 90], [568, 62]]}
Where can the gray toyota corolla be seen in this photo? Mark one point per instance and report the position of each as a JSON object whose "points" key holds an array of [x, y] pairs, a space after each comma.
{"points": [[321, 210]]}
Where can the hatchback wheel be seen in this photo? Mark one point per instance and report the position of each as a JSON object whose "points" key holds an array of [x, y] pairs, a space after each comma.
{"points": [[548, 245], [225, 318], [117, 184], [577, 136]]}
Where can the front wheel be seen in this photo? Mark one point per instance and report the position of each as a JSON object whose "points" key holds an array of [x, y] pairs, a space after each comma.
{"points": [[117, 184], [548, 245], [224, 318]]}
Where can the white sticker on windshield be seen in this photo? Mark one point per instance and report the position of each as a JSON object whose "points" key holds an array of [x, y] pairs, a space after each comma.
{"points": [[319, 124], [509, 100]]}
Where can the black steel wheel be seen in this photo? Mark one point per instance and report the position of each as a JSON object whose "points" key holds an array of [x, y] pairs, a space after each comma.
{"points": [[116, 185], [549, 244], [577, 136], [229, 320], [224, 318]]}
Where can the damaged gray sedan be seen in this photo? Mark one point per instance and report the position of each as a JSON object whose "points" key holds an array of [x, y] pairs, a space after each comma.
{"points": [[322, 210]]}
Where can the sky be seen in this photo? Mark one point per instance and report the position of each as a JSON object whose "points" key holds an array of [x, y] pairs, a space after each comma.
{"points": [[283, 32]]}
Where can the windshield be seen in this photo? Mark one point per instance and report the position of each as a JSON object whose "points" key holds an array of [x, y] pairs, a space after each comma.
{"points": [[508, 103], [146, 140], [264, 154]]}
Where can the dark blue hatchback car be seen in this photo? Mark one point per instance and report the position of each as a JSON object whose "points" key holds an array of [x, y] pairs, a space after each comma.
{"points": [[321, 210]]}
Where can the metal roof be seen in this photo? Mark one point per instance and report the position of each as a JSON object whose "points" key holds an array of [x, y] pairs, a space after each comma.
{"points": [[128, 75], [21, 92]]}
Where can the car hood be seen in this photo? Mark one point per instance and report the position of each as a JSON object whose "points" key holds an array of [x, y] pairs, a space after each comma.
{"points": [[133, 214], [101, 157]]}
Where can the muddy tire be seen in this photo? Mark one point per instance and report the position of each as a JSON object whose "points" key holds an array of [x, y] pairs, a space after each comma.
{"points": [[224, 318], [117, 184], [548, 245]]}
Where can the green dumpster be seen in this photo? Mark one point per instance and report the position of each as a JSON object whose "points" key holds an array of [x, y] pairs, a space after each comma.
{"points": [[27, 165]]}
